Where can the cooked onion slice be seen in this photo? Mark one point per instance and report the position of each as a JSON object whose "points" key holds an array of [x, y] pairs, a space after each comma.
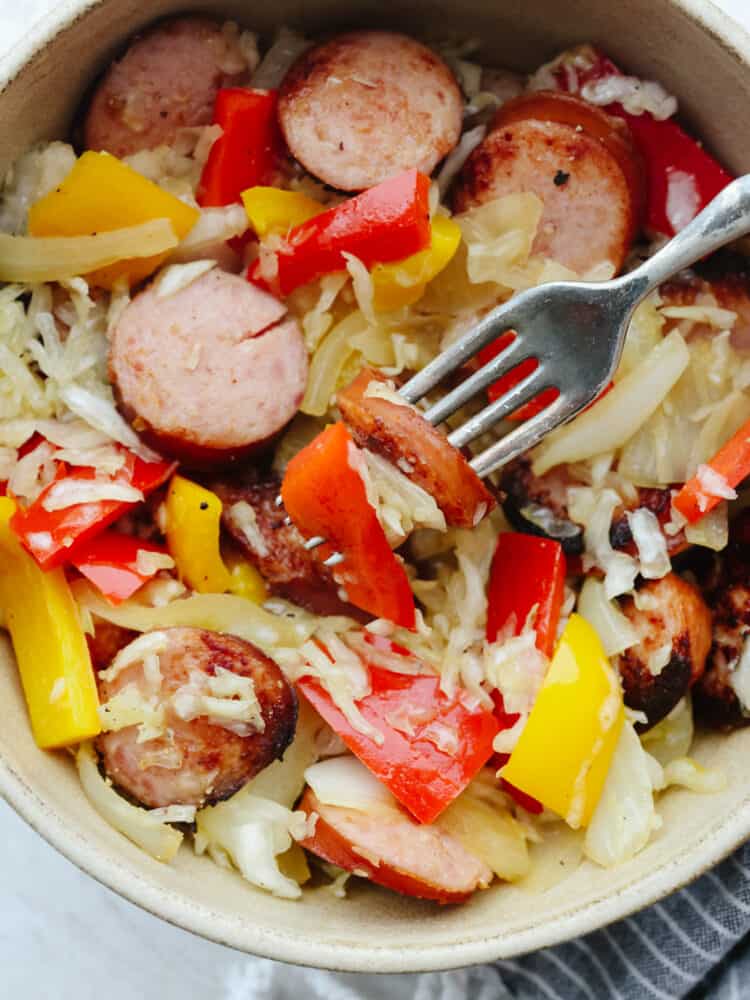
{"points": [[31, 259], [613, 628], [218, 612], [145, 829], [346, 783], [612, 421]]}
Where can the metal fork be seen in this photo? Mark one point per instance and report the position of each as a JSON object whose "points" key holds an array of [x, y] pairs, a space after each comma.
{"points": [[574, 329]]}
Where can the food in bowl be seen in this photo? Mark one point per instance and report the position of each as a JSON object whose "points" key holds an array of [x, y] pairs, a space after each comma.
{"points": [[266, 603]]}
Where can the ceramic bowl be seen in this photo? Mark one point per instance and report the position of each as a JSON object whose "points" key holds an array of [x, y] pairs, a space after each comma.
{"points": [[699, 55]]}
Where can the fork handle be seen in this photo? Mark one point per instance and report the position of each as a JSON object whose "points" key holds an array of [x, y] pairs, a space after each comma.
{"points": [[725, 218]]}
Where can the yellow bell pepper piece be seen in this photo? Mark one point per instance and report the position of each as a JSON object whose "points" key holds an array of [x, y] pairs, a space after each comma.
{"points": [[245, 580], [566, 746], [403, 282], [193, 525], [100, 194], [271, 209], [51, 650]]}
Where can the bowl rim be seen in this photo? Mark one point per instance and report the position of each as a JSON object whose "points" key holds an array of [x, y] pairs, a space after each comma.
{"points": [[715, 844]]}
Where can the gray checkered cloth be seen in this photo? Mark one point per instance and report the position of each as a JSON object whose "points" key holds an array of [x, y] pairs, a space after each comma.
{"points": [[694, 944]]}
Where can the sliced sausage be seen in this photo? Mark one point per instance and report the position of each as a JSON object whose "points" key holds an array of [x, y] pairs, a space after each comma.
{"points": [[579, 161], [196, 759], [674, 625], [210, 373], [277, 548], [721, 280], [167, 80], [107, 641], [537, 505], [715, 700], [366, 105], [390, 848], [400, 433]]}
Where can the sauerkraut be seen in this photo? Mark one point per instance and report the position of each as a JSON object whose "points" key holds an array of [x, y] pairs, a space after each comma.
{"points": [[682, 388]]}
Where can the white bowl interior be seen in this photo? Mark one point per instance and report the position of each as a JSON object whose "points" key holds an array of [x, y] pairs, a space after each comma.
{"points": [[373, 930]]}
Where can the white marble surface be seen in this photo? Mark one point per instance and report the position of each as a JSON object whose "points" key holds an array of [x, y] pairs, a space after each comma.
{"points": [[65, 937]]}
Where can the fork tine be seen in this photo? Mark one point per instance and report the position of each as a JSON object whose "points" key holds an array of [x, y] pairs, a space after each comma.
{"points": [[488, 328], [477, 382], [485, 420], [528, 434]]}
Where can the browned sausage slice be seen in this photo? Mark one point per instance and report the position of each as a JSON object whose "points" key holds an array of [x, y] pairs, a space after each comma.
{"points": [[195, 758], [400, 433], [209, 373], [715, 701], [277, 548], [366, 105], [390, 848], [722, 280], [107, 641], [591, 204], [537, 505], [167, 80], [674, 625]]}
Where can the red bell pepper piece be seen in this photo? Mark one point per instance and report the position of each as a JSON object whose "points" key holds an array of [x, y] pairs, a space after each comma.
{"points": [[325, 495], [679, 169], [110, 562], [387, 222], [527, 572], [680, 172], [506, 382], [507, 720], [424, 778], [53, 537], [247, 151], [731, 463]]}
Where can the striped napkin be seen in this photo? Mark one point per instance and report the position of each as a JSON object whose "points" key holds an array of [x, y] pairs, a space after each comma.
{"points": [[694, 944]]}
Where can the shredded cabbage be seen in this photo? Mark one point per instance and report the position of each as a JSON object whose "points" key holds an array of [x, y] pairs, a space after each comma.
{"points": [[287, 47], [30, 178], [673, 736], [700, 413], [209, 235], [456, 612], [625, 817], [400, 504], [613, 420], [498, 237], [620, 569], [636, 96], [650, 543], [455, 160], [613, 628], [328, 363], [251, 832], [343, 674], [345, 782]]}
